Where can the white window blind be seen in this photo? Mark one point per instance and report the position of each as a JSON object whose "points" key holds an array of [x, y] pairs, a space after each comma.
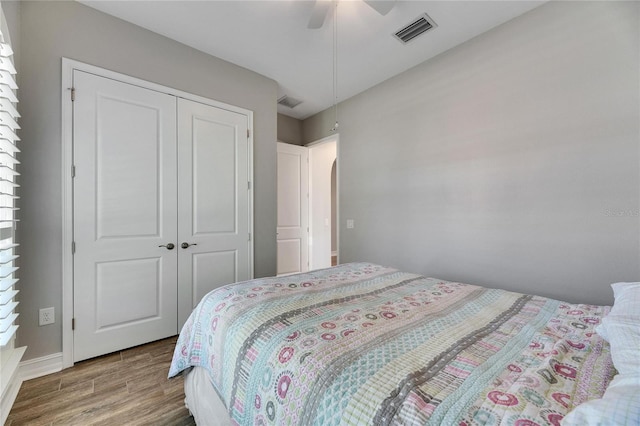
{"points": [[8, 211]]}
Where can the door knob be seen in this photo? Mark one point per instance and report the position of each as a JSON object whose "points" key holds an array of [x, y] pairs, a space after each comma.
{"points": [[186, 245], [169, 246]]}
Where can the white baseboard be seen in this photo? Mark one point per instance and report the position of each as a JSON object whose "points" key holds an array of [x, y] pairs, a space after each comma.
{"points": [[39, 367]]}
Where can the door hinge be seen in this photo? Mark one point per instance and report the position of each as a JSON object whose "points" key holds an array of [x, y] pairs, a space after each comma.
{"points": [[249, 236], [248, 134], [248, 185], [73, 171], [73, 323], [73, 94], [73, 247]]}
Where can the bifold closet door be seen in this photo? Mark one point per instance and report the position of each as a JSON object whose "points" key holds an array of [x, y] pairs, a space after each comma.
{"points": [[213, 201], [125, 215]]}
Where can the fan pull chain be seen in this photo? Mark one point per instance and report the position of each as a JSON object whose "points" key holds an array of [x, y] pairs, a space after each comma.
{"points": [[335, 64]]}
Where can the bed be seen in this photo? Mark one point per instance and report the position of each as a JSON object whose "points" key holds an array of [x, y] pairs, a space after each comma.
{"points": [[366, 344]]}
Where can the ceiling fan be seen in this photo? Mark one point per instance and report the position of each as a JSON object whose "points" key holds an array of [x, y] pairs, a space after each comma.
{"points": [[321, 8]]}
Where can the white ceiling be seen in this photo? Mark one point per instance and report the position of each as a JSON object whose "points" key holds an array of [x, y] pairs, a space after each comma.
{"points": [[271, 38]]}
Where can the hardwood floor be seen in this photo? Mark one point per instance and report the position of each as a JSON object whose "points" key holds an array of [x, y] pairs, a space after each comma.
{"points": [[124, 388]]}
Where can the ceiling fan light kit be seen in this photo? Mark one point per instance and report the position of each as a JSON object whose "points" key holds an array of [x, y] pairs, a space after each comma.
{"points": [[381, 6], [321, 9], [319, 13]]}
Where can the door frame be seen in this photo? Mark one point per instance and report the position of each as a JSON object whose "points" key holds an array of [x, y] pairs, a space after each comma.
{"points": [[68, 66]]}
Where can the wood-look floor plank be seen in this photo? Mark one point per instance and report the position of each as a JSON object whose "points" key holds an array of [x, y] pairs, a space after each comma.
{"points": [[124, 388], [91, 369], [41, 409], [40, 386]]}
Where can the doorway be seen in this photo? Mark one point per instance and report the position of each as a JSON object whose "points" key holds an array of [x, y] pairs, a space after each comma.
{"points": [[307, 229], [322, 156]]}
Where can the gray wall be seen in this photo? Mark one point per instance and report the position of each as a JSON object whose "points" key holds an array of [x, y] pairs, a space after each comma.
{"points": [[289, 130], [51, 30], [510, 161]]}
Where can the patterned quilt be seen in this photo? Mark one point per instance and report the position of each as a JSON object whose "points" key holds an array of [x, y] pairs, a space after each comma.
{"points": [[363, 344]]}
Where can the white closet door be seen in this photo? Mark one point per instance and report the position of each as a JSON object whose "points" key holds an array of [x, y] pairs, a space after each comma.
{"points": [[124, 210], [213, 201], [293, 209]]}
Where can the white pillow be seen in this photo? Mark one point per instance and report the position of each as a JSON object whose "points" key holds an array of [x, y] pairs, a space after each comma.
{"points": [[602, 331], [627, 299], [624, 338], [626, 303], [622, 328], [620, 405]]}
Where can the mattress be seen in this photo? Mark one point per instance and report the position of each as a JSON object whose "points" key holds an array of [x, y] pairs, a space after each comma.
{"points": [[365, 344]]}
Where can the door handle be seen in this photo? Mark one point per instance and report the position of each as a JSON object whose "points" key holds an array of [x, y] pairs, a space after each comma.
{"points": [[186, 245], [169, 246]]}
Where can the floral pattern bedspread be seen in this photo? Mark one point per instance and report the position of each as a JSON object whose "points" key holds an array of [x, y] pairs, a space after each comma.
{"points": [[365, 344]]}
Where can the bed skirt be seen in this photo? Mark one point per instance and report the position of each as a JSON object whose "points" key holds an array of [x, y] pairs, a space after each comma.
{"points": [[203, 401]]}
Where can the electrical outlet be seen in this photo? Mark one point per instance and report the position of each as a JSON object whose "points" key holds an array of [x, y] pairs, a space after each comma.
{"points": [[47, 316]]}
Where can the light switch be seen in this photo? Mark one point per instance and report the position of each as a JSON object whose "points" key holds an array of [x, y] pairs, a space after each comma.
{"points": [[350, 224]]}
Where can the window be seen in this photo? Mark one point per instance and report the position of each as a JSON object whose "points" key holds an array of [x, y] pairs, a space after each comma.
{"points": [[8, 197]]}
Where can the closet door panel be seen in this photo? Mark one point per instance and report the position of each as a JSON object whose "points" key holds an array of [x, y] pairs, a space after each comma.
{"points": [[214, 177], [214, 269], [125, 197], [213, 201], [128, 147]]}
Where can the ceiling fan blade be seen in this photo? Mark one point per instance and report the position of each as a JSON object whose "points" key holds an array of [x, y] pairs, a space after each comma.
{"points": [[381, 6], [319, 13]]}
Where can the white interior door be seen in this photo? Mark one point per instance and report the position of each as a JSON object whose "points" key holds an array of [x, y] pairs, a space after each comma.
{"points": [[125, 282], [293, 209], [213, 201]]}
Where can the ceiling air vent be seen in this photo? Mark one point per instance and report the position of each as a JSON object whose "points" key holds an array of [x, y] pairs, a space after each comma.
{"points": [[289, 102], [421, 25]]}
